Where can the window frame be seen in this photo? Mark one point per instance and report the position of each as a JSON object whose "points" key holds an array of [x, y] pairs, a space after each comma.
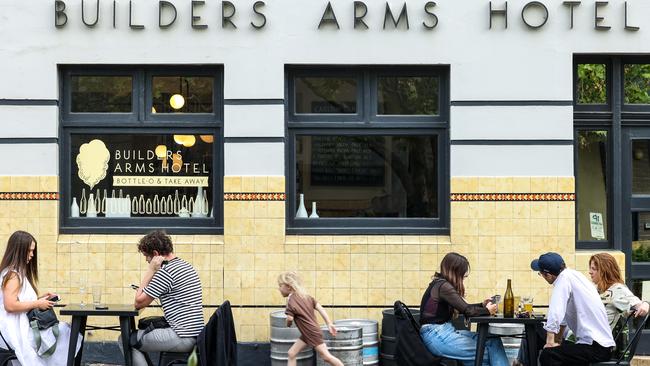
{"points": [[370, 125], [139, 122]]}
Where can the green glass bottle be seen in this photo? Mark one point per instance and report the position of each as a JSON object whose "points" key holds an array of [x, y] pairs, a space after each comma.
{"points": [[509, 302]]}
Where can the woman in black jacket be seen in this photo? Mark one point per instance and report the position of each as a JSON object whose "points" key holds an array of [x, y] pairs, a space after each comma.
{"points": [[444, 300]]}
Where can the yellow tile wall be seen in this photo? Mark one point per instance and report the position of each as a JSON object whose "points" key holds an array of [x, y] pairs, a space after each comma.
{"points": [[499, 238]]}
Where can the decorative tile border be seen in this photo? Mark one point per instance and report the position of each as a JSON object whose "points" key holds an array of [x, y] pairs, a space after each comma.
{"points": [[468, 197], [254, 196], [29, 196]]}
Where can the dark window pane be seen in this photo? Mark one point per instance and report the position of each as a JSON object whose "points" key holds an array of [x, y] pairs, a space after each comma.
{"points": [[640, 167], [182, 94], [326, 95], [407, 95], [591, 185], [369, 176], [101, 94], [637, 84], [592, 84], [640, 237], [142, 175]]}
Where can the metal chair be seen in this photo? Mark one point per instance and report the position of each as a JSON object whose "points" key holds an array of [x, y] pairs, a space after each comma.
{"points": [[6, 355], [629, 351], [173, 358]]}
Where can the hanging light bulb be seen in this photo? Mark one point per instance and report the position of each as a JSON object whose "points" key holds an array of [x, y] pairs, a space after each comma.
{"points": [[189, 140], [161, 151], [185, 140], [208, 139], [177, 101]]}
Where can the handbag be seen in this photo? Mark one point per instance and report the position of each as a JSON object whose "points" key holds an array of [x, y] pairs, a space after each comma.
{"points": [[44, 318], [147, 324], [41, 320]]}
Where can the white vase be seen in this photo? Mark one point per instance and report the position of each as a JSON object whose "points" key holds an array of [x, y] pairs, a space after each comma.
{"points": [[313, 215], [74, 208], [197, 208], [302, 211], [91, 211]]}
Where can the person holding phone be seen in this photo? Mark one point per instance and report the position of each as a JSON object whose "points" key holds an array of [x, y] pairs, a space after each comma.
{"points": [[176, 283], [19, 279]]}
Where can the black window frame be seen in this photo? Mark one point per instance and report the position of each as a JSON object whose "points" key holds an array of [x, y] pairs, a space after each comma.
{"points": [[367, 122], [140, 121]]}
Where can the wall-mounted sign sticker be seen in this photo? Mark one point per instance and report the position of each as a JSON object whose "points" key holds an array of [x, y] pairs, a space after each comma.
{"points": [[597, 225], [92, 162]]}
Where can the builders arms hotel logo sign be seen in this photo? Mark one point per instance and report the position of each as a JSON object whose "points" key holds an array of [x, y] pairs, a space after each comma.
{"points": [[534, 14]]}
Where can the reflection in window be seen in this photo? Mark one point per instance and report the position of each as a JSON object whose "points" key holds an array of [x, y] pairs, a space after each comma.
{"points": [[101, 94], [141, 175], [591, 185], [640, 167], [637, 83], [326, 95], [641, 236], [592, 84], [369, 176], [182, 94], [407, 95]]}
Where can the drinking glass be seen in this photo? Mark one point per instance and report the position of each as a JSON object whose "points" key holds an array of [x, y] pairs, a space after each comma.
{"points": [[528, 304], [97, 295], [82, 294]]}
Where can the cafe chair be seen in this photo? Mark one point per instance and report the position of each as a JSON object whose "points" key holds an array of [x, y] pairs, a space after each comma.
{"points": [[633, 339], [6, 355], [173, 358]]}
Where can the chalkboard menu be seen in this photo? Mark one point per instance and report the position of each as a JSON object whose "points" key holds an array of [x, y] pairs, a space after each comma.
{"points": [[347, 160]]}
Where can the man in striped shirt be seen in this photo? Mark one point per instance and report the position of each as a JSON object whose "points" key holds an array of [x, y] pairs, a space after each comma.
{"points": [[177, 285]]}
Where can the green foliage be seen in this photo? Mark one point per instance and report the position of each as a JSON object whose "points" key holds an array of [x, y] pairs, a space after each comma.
{"points": [[592, 84], [641, 253], [637, 83], [193, 360]]}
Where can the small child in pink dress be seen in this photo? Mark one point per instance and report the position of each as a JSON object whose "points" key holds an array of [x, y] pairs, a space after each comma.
{"points": [[300, 309]]}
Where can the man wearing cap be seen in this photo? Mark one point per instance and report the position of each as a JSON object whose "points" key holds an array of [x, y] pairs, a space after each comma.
{"points": [[575, 303]]}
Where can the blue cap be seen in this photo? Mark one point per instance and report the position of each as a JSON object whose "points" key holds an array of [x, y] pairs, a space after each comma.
{"points": [[549, 263]]}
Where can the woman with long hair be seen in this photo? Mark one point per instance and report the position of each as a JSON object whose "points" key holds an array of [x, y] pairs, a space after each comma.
{"points": [[443, 300], [18, 281]]}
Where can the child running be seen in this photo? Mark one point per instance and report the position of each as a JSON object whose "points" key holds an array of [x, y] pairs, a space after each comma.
{"points": [[300, 308]]}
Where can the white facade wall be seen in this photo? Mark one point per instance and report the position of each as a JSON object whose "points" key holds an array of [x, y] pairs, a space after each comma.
{"points": [[513, 64]]}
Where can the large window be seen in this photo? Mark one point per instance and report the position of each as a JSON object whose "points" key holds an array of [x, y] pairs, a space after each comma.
{"points": [[368, 149], [141, 148]]}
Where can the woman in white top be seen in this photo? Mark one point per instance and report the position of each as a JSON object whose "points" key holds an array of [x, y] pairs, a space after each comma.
{"points": [[18, 279]]}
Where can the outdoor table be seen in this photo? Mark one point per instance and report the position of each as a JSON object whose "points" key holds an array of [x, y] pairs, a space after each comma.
{"points": [[483, 323], [80, 314]]}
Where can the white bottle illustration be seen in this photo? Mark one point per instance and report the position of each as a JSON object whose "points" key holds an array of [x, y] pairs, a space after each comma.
{"points": [[74, 208], [302, 211], [197, 208], [91, 211], [313, 215]]}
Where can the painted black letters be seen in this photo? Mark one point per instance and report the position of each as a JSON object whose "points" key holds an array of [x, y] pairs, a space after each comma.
{"points": [[257, 10], [434, 18], [166, 4], [503, 12], [197, 18], [402, 14], [60, 17]]}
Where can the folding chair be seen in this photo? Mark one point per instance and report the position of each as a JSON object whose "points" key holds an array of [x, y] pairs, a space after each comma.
{"points": [[627, 354]]}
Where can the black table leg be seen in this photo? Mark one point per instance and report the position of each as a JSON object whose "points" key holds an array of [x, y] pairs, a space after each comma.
{"points": [[531, 339], [480, 343], [126, 323], [77, 328]]}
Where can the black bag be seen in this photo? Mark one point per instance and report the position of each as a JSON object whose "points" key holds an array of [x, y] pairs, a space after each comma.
{"points": [[411, 351], [44, 318], [152, 322], [147, 324]]}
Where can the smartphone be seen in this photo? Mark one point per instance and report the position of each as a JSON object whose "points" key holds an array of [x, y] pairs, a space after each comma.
{"points": [[135, 287], [54, 298]]}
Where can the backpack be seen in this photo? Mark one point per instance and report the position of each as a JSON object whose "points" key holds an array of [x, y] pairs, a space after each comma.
{"points": [[411, 351]]}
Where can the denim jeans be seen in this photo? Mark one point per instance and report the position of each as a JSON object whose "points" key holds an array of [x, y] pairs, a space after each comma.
{"points": [[446, 341]]}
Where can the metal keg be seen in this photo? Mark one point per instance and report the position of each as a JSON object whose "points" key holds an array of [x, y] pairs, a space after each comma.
{"points": [[347, 346], [282, 338], [370, 340]]}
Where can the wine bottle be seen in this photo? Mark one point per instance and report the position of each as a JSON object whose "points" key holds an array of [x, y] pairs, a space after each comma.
{"points": [[509, 302]]}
